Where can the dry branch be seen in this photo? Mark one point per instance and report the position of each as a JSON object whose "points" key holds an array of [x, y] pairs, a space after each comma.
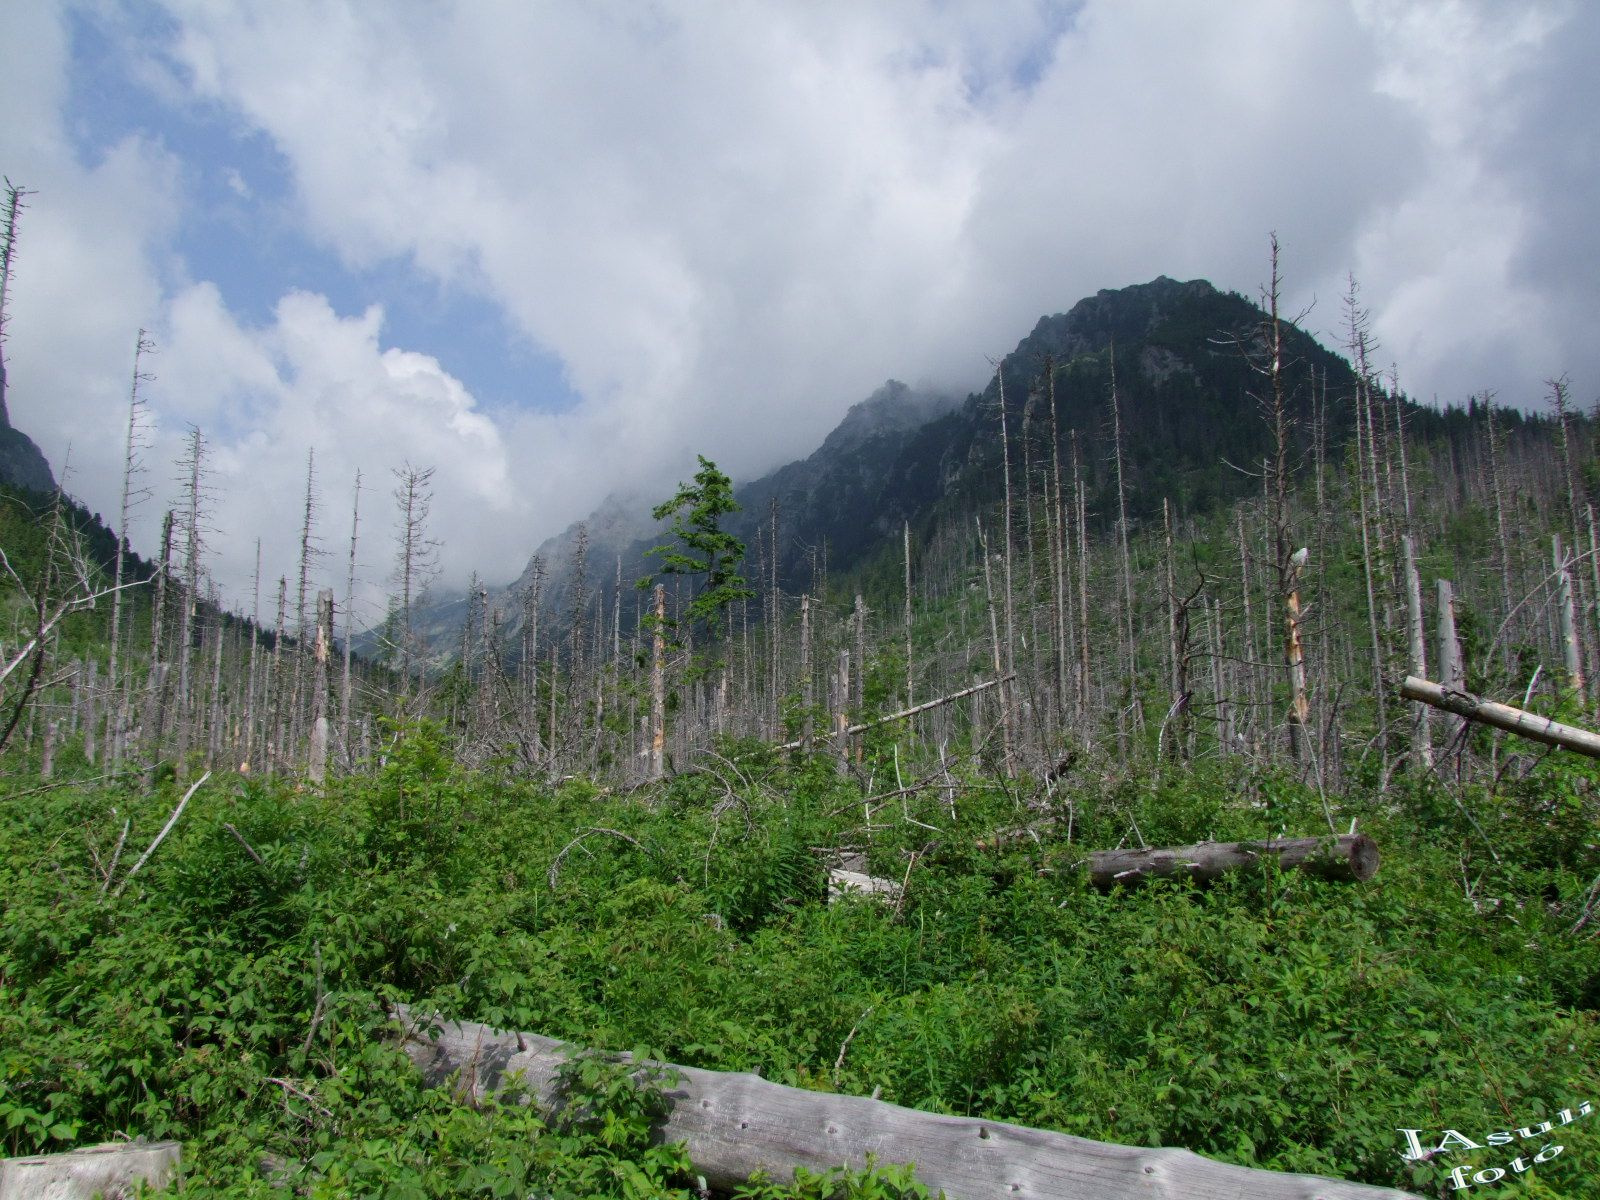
{"points": [[1502, 716], [852, 730], [736, 1124]]}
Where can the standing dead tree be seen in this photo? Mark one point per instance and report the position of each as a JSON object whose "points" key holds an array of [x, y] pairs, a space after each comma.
{"points": [[193, 530], [416, 560], [15, 202]]}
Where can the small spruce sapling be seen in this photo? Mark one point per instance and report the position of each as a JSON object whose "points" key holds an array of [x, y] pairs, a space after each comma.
{"points": [[701, 547]]}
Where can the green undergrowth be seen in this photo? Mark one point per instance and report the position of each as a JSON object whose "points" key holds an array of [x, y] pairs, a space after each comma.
{"points": [[233, 995]]}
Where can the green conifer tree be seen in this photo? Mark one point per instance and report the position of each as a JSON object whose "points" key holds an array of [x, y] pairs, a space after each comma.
{"points": [[701, 548]]}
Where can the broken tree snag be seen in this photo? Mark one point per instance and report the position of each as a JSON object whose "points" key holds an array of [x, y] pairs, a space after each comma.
{"points": [[1352, 857], [113, 1170], [734, 1125], [1502, 716]]}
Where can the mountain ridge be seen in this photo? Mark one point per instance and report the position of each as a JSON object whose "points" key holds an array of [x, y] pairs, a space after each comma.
{"points": [[1180, 353]]}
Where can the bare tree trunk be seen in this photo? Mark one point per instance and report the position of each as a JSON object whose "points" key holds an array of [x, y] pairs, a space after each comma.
{"points": [[215, 733], [317, 766], [1366, 500], [1421, 734], [999, 662], [130, 466], [1503, 716], [1572, 653], [1502, 540], [1249, 653], [910, 667], [1347, 858], [658, 686], [808, 697], [775, 624], [255, 645], [193, 545], [276, 717], [1083, 586], [841, 711], [302, 628], [1129, 648], [1008, 689], [414, 498], [1451, 676], [735, 1125], [1059, 548], [1175, 687], [346, 751], [1594, 596], [91, 683]]}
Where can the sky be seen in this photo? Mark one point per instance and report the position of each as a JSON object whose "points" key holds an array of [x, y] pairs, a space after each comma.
{"points": [[555, 250]]}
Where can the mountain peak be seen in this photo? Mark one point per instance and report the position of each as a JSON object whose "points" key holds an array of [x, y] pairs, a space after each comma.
{"points": [[893, 408], [21, 463]]}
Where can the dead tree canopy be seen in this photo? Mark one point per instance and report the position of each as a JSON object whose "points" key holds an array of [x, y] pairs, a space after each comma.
{"points": [[734, 1125], [1502, 716], [1352, 857]]}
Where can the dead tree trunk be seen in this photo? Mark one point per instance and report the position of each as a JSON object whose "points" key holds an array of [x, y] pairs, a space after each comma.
{"points": [[734, 1125], [1349, 858], [1502, 716], [999, 665], [1566, 611], [1450, 670], [318, 765], [1421, 732], [109, 1169], [658, 685]]}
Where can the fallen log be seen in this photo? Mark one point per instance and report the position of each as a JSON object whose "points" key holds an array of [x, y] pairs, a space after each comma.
{"points": [[1350, 857], [842, 883], [1501, 716], [114, 1170], [734, 1125]]}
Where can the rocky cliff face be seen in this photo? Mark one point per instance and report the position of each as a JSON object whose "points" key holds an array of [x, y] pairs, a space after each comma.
{"points": [[21, 463]]}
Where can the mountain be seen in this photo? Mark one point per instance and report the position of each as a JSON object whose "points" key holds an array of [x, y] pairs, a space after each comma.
{"points": [[21, 463], [1186, 362]]}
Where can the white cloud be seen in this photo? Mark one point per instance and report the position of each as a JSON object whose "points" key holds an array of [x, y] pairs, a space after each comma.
{"points": [[728, 223], [313, 380]]}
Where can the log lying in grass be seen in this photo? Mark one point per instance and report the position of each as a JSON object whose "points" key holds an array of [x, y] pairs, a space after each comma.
{"points": [[1351, 857], [1502, 716], [736, 1124], [842, 883], [113, 1170]]}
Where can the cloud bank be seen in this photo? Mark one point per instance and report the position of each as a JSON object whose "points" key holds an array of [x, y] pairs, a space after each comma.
{"points": [[725, 224]]}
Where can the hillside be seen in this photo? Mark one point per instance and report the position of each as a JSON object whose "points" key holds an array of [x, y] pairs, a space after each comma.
{"points": [[1190, 426], [588, 832]]}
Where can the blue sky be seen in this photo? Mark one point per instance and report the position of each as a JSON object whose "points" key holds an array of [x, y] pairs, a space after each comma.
{"points": [[557, 250], [241, 223]]}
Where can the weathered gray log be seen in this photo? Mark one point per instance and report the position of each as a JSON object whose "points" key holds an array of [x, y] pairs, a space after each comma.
{"points": [[113, 1170], [1502, 716], [843, 883], [1351, 857], [734, 1125]]}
